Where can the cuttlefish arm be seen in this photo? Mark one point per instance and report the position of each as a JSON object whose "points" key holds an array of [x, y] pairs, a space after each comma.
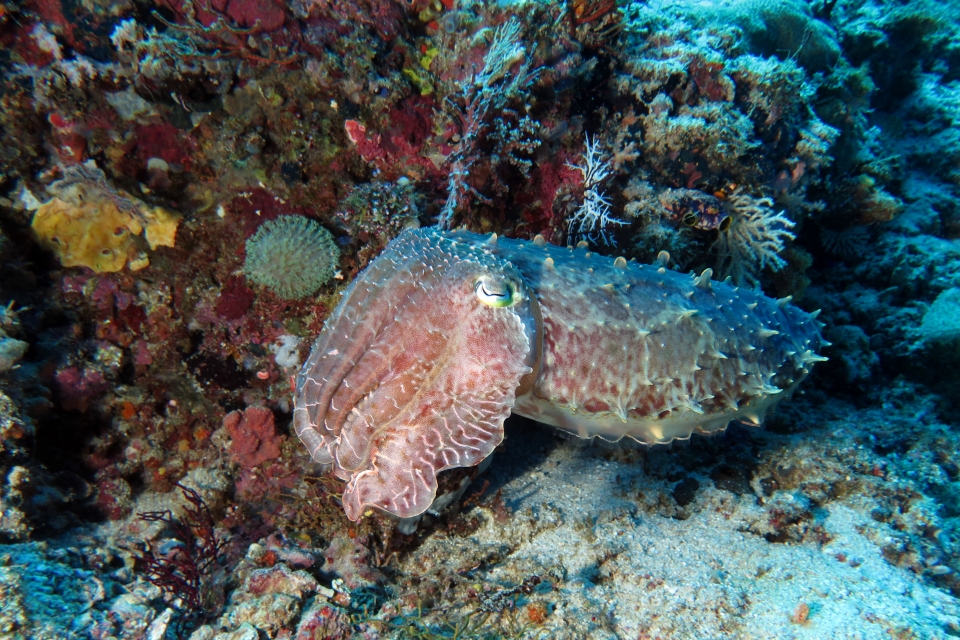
{"points": [[447, 332], [416, 371]]}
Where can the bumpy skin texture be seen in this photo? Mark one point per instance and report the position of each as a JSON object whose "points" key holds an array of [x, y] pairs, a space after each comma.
{"points": [[415, 372], [412, 374]]}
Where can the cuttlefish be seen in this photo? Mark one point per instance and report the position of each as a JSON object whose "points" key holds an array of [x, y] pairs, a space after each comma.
{"points": [[447, 333]]}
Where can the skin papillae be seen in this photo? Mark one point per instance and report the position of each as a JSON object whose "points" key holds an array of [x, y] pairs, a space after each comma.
{"points": [[448, 332]]}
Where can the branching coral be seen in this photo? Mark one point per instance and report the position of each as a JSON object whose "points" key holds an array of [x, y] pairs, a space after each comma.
{"points": [[247, 31], [153, 57], [182, 569], [754, 240], [485, 93], [592, 218]]}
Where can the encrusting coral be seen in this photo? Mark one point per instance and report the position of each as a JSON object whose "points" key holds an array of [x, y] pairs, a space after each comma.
{"points": [[89, 223], [100, 236]]}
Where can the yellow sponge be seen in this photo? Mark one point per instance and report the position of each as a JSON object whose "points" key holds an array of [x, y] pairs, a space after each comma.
{"points": [[99, 235]]}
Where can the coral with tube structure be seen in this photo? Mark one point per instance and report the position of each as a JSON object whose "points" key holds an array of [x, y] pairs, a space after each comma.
{"points": [[293, 256]]}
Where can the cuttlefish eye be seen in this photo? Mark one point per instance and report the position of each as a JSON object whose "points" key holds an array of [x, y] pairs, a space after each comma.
{"points": [[494, 292]]}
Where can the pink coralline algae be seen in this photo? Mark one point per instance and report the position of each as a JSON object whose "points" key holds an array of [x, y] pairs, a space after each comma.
{"points": [[368, 146], [266, 15], [288, 552], [446, 333], [77, 388], [280, 579], [141, 354], [164, 141], [253, 435], [235, 299]]}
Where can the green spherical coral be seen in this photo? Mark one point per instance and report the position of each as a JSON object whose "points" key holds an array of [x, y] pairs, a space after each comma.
{"points": [[291, 255]]}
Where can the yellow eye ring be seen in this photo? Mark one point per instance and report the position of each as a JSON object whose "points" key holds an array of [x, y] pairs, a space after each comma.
{"points": [[494, 293]]}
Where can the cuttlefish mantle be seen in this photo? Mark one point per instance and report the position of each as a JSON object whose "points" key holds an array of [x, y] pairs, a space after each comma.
{"points": [[447, 333]]}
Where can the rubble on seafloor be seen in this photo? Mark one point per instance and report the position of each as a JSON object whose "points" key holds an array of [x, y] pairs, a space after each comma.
{"points": [[152, 487], [811, 532]]}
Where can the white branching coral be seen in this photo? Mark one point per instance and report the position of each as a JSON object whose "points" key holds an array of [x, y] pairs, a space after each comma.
{"points": [[484, 93], [46, 41], [592, 218], [754, 240], [126, 35], [62, 74], [147, 54], [504, 51]]}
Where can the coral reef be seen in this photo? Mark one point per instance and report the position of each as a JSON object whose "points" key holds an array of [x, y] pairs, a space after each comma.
{"points": [[150, 336], [376, 212]]}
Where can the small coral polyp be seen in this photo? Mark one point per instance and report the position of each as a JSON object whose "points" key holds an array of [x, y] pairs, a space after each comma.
{"points": [[293, 256]]}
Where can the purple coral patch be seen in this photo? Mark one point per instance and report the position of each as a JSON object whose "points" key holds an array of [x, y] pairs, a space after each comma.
{"points": [[78, 387], [253, 434], [235, 300]]}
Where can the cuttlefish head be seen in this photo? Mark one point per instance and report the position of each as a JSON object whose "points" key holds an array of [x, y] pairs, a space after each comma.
{"points": [[416, 369]]}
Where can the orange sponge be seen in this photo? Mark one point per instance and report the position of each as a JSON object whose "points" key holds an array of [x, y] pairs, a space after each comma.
{"points": [[100, 236]]}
